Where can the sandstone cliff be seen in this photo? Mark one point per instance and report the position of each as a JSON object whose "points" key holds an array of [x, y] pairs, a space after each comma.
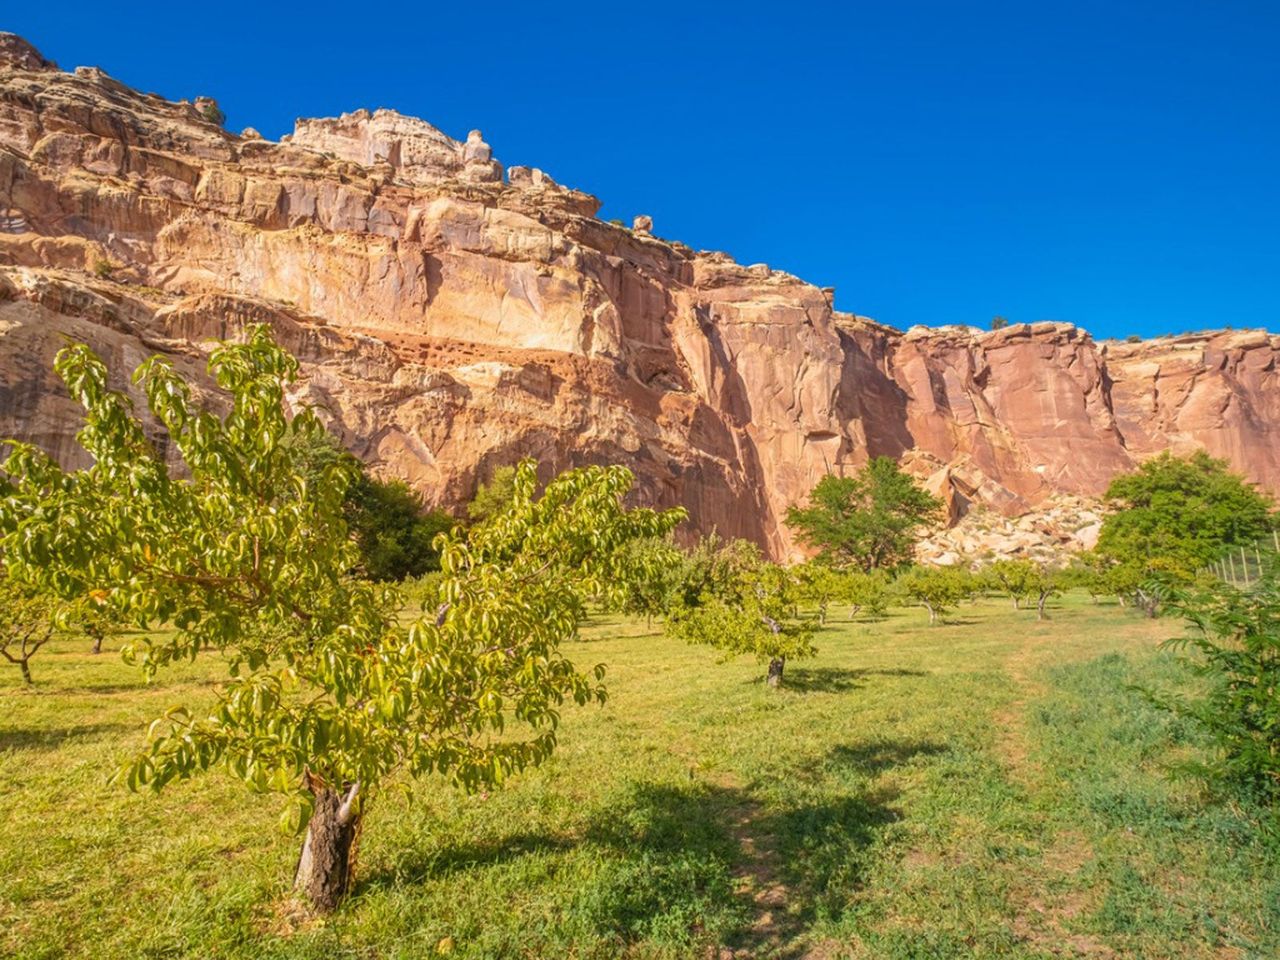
{"points": [[452, 316]]}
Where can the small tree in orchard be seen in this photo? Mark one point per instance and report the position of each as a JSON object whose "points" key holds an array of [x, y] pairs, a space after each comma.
{"points": [[26, 622], [937, 589], [654, 568], [715, 567], [1045, 582], [868, 592], [1025, 580], [326, 694], [1013, 578], [95, 618], [748, 606], [818, 584], [869, 521]]}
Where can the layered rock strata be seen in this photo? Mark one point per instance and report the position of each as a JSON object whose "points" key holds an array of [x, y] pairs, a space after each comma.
{"points": [[452, 316]]}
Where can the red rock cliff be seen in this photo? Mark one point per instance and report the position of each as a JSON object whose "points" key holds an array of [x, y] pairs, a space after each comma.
{"points": [[451, 317]]}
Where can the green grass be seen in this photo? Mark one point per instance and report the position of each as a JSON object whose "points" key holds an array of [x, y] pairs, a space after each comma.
{"points": [[993, 787]]}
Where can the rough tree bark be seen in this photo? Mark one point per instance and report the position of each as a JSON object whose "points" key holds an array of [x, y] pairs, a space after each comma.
{"points": [[776, 665], [324, 866]]}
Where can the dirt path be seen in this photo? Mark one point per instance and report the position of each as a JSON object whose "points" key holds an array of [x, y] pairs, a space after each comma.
{"points": [[1043, 921]]}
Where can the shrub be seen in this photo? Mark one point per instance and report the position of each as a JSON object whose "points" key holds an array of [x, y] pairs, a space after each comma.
{"points": [[209, 109], [1234, 643]]}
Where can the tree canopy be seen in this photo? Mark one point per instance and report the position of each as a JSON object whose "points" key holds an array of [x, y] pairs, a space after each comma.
{"points": [[1186, 511], [391, 525], [870, 520], [326, 694], [493, 497]]}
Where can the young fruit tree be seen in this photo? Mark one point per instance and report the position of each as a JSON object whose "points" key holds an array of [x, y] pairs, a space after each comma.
{"points": [[653, 571], [1025, 579], [326, 694], [937, 589], [869, 521], [818, 584], [95, 619], [26, 622], [751, 612], [868, 592], [1013, 578]]}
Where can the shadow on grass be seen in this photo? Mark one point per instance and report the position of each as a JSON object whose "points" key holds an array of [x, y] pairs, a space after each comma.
{"points": [[835, 679], [419, 865], [687, 868], [141, 686], [877, 756], [53, 738]]}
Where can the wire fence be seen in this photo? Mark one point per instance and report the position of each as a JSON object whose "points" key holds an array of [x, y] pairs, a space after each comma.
{"points": [[1243, 566]]}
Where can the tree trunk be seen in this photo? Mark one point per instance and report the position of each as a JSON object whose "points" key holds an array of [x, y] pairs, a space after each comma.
{"points": [[324, 866], [822, 615], [1017, 602], [853, 611], [933, 614], [97, 643], [24, 664], [1040, 614], [774, 678]]}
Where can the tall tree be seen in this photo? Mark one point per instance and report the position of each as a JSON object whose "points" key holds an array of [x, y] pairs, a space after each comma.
{"points": [[869, 521], [326, 693], [493, 497], [392, 527], [1187, 512]]}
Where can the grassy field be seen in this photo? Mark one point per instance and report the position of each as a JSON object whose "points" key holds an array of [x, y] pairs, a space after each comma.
{"points": [[993, 787]]}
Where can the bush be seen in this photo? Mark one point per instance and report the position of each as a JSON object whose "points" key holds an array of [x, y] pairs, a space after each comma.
{"points": [[209, 109], [1234, 642]]}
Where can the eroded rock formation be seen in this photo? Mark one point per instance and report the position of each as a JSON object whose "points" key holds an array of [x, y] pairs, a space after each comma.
{"points": [[450, 320]]}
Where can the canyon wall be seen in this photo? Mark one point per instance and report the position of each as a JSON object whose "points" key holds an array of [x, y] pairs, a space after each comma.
{"points": [[452, 316]]}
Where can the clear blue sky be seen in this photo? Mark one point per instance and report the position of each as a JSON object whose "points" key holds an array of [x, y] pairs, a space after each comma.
{"points": [[1115, 164]]}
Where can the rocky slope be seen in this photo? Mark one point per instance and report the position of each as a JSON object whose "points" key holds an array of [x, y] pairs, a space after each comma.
{"points": [[453, 316]]}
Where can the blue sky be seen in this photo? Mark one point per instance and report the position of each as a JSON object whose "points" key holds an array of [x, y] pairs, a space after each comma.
{"points": [[1111, 164]]}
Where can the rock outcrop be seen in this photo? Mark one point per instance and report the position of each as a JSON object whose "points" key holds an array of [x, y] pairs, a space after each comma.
{"points": [[450, 320]]}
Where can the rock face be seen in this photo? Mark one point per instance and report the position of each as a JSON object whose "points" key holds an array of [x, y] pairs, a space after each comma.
{"points": [[450, 321]]}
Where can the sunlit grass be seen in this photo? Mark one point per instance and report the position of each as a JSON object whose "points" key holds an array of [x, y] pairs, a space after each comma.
{"points": [[993, 787]]}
